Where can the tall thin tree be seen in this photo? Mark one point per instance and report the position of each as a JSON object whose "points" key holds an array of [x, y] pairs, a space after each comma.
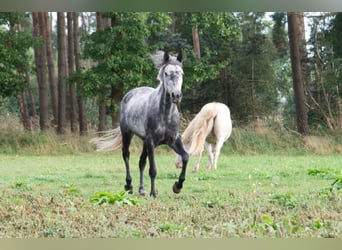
{"points": [[46, 21], [82, 118], [40, 61], [71, 69], [102, 107], [295, 30], [62, 72]]}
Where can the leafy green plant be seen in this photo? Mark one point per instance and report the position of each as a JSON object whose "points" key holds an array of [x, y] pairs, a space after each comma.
{"points": [[165, 227], [22, 186], [206, 178], [336, 185], [121, 198], [212, 203], [284, 200], [326, 173]]}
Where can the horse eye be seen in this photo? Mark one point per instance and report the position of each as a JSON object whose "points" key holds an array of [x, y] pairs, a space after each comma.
{"points": [[166, 74]]}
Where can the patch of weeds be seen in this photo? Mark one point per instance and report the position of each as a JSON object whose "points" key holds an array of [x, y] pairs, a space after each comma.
{"points": [[317, 224], [169, 176], [92, 176], [22, 186], [292, 225], [166, 227], [47, 178], [284, 200], [268, 222], [121, 198], [336, 185], [216, 202], [284, 174], [328, 173], [18, 201], [206, 178], [74, 191], [172, 176]]}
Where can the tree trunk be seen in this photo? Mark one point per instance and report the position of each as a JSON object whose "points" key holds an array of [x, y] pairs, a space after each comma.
{"points": [[102, 106], [71, 65], [51, 67], [24, 112], [82, 118], [31, 96], [295, 38], [196, 43], [40, 61], [62, 72]]}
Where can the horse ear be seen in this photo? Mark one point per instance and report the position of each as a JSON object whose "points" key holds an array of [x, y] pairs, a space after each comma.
{"points": [[180, 56], [166, 57]]}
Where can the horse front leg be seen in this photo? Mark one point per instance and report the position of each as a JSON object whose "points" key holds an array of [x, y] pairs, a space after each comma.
{"points": [[153, 170], [126, 140], [142, 164], [179, 149]]}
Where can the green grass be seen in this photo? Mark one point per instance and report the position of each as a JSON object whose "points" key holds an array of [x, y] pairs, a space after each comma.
{"points": [[247, 196]]}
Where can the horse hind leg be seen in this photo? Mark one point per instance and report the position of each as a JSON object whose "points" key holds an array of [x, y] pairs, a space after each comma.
{"points": [[126, 141], [216, 152], [210, 153], [142, 164], [198, 161]]}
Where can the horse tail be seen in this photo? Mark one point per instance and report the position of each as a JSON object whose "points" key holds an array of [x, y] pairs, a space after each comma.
{"points": [[203, 125], [111, 140]]}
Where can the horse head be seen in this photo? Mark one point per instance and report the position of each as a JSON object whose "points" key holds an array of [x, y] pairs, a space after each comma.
{"points": [[171, 76]]}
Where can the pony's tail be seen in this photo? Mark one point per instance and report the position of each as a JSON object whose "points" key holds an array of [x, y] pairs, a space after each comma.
{"points": [[111, 140], [203, 127]]}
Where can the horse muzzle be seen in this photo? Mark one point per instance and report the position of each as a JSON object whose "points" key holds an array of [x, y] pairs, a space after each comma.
{"points": [[176, 97]]}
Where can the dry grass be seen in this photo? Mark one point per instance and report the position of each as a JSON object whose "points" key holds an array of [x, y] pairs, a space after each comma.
{"points": [[319, 144]]}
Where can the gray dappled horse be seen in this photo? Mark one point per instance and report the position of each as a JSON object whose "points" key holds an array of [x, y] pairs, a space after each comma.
{"points": [[151, 114]]}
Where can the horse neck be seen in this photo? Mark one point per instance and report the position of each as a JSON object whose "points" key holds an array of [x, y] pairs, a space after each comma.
{"points": [[165, 103]]}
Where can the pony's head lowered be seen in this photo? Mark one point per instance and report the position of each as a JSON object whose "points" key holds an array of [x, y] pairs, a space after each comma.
{"points": [[171, 76]]}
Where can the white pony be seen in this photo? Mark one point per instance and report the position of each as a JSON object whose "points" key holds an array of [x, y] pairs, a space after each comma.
{"points": [[211, 125]]}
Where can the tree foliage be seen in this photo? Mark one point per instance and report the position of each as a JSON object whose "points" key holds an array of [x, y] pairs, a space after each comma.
{"points": [[121, 53], [14, 54]]}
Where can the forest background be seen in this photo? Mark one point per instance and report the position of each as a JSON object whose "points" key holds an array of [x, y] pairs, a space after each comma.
{"points": [[66, 72]]}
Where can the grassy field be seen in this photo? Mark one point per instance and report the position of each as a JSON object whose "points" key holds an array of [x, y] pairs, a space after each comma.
{"points": [[247, 196]]}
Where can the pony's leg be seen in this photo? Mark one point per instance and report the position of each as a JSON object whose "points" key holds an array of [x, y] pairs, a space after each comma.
{"points": [[216, 152], [179, 149], [126, 141], [153, 170], [142, 164], [198, 161], [209, 148]]}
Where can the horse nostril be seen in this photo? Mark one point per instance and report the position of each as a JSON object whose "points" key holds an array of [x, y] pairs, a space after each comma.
{"points": [[176, 97]]}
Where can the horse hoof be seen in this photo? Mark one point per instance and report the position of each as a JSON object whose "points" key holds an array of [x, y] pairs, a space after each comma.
{"points": [[142, 192], [129, 189], [175, 189]]}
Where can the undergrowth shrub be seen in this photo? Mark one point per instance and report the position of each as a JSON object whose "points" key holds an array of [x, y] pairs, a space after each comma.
{"points": [[45, 142], [249, 140]]}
